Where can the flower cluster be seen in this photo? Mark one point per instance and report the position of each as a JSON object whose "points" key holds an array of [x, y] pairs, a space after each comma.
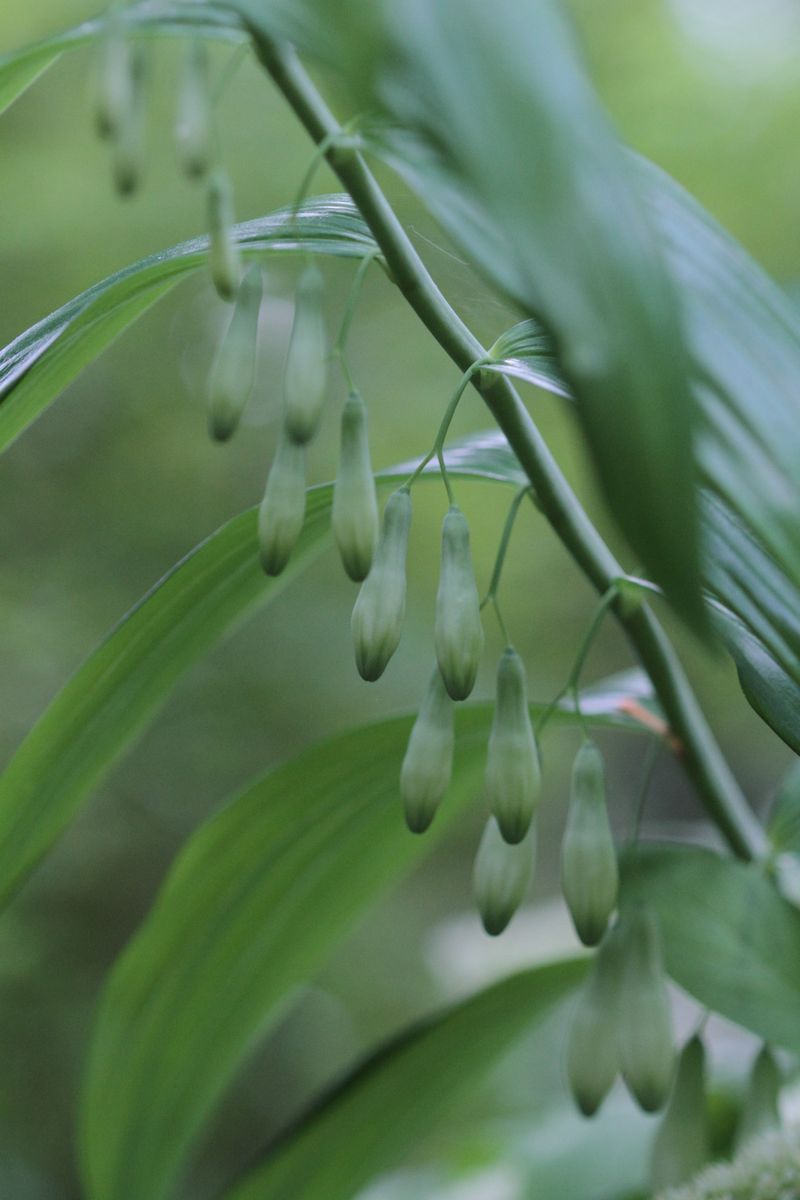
{"points": [[622, 1022], [767, 1169]]}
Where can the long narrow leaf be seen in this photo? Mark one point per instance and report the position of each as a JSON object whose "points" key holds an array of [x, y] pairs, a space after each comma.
{"points": [[112, 696], [403, 1092], [20, 68], [255, 902], [38, 365], [285, 19]]}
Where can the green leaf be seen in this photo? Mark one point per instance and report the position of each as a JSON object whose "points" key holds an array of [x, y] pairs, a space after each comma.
{"points": [[744, 337], [605, 1158], [527, 352], [117, 690], [20, 68], [251, 908], [744, 340], [729, 937], [501, 132], [37, 365], [399, 1095], [121, 686]]}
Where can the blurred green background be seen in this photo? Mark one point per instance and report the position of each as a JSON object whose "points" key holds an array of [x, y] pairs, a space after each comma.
{"points": [[119, 480]]}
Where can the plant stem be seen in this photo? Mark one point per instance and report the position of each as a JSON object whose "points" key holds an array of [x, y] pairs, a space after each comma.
{"points": [[494, 582], [702, 757], [573, 679]]}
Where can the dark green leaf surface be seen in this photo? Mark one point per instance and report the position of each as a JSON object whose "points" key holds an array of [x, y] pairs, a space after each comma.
{"points": [[252, 907], [38, 365], [503, 133], [744, 339], [729, 937], [123, 683], [743, 335], [20, 68], [400, 1094]]}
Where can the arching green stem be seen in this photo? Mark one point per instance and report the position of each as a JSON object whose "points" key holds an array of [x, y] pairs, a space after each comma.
{"points": [[702, 757]]}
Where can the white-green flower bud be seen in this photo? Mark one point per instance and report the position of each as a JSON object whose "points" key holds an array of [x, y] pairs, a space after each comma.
{"points": [[223, 250], [589, 874], [681, 1146], [233, 372], [129, 133], [379, 610], [458, 630], [305, 382], [193, 113], [767, 1169], [760, 1112], [282, 512], [502, 875], [115, 85], [646, 1052], [513, 774], [428, 763], [592, 1060], [355, 504]]}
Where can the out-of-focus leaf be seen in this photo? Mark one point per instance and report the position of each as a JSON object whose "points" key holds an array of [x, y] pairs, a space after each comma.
{"points": [[602, 1159], [20, 68], [744, 340], [123, 683], [120, 686], [37, 365], [729, 938], [380, 1111], [496, 113], [254, 903], [290, 20]]}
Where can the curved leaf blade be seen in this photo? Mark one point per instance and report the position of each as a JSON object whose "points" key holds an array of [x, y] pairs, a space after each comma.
{"points": [[113, 695], [38, 364], [20, 68], [729, 938], [254, 903], [744, 341], [381, 1110], [526, 352]]}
